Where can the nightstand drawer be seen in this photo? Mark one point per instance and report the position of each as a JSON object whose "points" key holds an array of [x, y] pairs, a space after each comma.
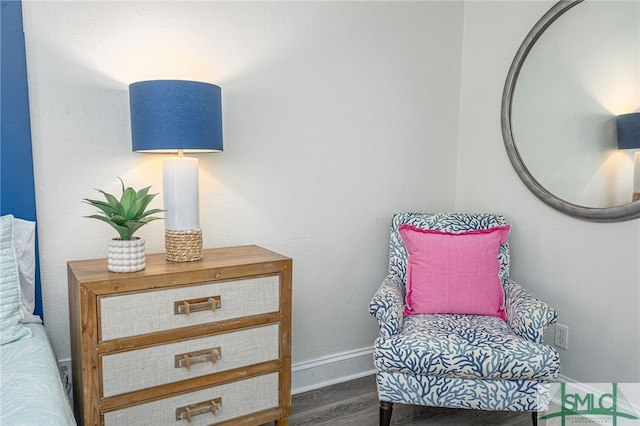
{"points": [[157, 365], [126, 315], [231, 400]]}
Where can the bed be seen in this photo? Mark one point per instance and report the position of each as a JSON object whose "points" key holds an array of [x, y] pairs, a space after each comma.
{"points": [[31, 390], [32, 393]]}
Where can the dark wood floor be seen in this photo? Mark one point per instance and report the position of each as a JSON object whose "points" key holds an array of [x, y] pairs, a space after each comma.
{"points": [[355, 403]]}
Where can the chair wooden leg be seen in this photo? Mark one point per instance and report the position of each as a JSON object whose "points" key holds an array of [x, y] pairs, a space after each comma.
{"points": [[534, 418], [386, 408]]}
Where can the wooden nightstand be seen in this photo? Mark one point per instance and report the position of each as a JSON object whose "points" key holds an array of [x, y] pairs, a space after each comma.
{"points": [[206, 342]]}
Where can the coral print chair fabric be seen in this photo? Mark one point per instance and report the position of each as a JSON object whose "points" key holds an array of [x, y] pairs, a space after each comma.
{"points": [[459, 360]]}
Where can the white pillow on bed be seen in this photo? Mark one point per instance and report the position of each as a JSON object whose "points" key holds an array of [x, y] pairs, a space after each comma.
{"points": [[24, 239], [11, 329]]}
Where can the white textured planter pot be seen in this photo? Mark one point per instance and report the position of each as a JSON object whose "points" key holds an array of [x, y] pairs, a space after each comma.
{"points": [[126, 255]]}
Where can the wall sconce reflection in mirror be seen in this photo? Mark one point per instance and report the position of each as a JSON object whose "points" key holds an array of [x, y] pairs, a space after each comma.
{"points": [[629, 138]]}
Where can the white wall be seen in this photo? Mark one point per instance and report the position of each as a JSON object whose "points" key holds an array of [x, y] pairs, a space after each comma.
{"points": [[336, 114], [590, 272]]}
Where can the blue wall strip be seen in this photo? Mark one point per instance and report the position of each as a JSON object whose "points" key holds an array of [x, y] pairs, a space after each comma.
{"points": [[17, 188]]}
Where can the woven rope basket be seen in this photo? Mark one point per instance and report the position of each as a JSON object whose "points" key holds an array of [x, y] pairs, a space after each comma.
{"points": [[183, 246]]}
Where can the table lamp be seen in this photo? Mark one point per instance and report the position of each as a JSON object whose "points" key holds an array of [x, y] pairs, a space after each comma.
{"points": [[629, 138], [178, 116]]}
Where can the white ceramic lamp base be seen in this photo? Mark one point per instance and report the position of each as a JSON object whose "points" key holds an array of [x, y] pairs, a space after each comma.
{"points": [[183, 236]]}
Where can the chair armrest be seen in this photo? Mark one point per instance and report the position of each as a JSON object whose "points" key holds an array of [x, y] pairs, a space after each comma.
{"points": [[527, 316], [387, 306]]}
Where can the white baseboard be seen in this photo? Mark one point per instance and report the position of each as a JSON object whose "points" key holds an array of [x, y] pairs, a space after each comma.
{"points": [[565, 379], [332, 369]]}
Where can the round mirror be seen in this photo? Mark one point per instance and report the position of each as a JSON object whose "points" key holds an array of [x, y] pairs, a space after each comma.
{"points": [[566, 86]]}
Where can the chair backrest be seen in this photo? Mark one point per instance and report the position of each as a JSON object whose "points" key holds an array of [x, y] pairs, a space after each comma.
{"points": [[450, 222]]}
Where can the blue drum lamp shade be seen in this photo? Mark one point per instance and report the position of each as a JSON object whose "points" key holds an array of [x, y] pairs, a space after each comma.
{"points": [[629, 138], [174, 115], [169, 116]]}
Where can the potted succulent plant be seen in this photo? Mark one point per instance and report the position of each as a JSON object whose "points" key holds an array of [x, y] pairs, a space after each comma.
{"points": [[127, 215]]}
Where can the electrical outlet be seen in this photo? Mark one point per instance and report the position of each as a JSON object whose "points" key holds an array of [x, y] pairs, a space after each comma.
{"points": [[562, 336], [64, 366]]}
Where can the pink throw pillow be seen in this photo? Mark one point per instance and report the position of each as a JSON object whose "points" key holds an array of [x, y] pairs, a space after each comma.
{"points": [[454, 273]]}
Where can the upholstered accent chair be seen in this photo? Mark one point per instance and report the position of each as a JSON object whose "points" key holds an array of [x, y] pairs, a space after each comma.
{"points": [[481, 362]]}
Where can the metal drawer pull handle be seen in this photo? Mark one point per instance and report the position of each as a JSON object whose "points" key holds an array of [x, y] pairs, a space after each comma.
{"points": [[199, 357], [190, 411], [186, 307]]}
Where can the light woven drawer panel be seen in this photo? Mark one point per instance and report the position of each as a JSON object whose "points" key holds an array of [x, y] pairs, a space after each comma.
{"points": [[153, 366], [147, 312], [238, 399]]}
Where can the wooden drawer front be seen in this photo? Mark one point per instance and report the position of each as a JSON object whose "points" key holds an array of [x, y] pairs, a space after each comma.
{"points": [[236, 399], [151, 311], [143, 368]]}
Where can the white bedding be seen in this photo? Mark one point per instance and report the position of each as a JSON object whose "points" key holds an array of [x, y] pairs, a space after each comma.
{"points": [[31, 392], [24, 240]]}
